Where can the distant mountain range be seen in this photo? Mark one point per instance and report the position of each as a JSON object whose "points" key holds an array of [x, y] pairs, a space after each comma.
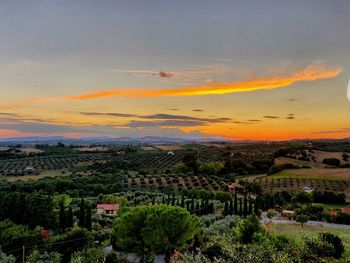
{"points": [[104, 140], [153, 140]]}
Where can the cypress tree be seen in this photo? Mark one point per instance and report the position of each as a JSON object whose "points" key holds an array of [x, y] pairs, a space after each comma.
{"points": [[226, 211], [210, 208], [256, 205], [235, 207], [62, 217], [197, 211], [183, 201], [250, 206], [153, 200], [267, 202], [88, 223], [231, 207], [188, 206], [82, 213], [240, 207], [163, 200], [69, 223], [192, 205], [207, 206], [202, 208], [245, 205], [173, 200], [168, 200]]}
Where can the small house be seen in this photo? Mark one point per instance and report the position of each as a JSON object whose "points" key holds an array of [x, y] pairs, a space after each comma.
{"points": [[288, 213], [345, 210], [107, 209]]}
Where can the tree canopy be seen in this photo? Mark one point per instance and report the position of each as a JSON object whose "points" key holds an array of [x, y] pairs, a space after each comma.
{"points": [[157, 229]]}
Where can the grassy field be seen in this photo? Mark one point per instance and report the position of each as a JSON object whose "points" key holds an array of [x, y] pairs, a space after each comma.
{"points": [[315, 173], [296, 232], [46, 173], [285, 160]]}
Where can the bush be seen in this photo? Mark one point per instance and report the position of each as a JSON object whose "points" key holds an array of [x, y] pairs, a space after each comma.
{"points": [[332, 161], [335, 241], [246, 229]]}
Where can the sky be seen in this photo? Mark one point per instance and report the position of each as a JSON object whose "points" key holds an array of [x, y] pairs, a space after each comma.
{"points": [[257, 70]]}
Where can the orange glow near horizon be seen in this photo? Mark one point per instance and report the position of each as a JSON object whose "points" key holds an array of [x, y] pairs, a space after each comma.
{"points": [[67, 111]]}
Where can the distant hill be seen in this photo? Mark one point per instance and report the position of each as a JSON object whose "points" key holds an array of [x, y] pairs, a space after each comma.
{"points": [[104, 140]]}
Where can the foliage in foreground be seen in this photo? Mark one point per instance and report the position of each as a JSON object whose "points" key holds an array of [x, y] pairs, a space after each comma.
{"points": [[155, 229]]}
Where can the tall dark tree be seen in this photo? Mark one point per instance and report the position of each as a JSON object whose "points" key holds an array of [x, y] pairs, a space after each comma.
{"points": [[168, 200], [210, 208], [183, 201], [69, 218], [226, 209], [192, 205], [240, 207], [235, 207], [163, 200], [188, 206], [61, 217], [88, 223], [190, 160], [202, 209], [250, 206], [257, 205], [231, 207], [197, 210], [245, 205], [82, 213], [173, 199], [39, 210]]}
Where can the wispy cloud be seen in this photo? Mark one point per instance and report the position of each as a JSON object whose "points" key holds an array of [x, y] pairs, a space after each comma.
{"points": [[343, 130], [313, 72], [290, 116], [12, 127], [113, 114], [162, 74], [198, 110], [177, 120], [271, 117], [166, 123]]}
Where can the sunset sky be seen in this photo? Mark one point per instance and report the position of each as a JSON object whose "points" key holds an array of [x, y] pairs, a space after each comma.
{"points": [[266, 70]]}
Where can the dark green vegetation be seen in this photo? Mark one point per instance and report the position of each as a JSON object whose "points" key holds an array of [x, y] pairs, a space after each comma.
{"points": [[174, 203]]}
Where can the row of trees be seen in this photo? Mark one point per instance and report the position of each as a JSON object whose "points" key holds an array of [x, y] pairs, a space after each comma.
{"points": [[237, 206]]}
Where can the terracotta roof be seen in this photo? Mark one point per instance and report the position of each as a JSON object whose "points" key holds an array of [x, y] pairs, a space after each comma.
{"points": [[108, 207], [345, 210]]}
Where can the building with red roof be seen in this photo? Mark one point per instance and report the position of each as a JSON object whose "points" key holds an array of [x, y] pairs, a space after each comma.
{"points": [[107, 209]]}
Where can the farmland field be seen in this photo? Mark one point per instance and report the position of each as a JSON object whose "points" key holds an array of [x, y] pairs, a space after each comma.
{"points": [[46, 173], [176, 183], [300, 163], [321, 179], [168, 147], [35, 165], [296, 232], [316, 173]]}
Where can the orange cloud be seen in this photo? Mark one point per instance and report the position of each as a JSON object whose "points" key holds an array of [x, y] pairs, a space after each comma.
{"points": [[311, 73]]}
